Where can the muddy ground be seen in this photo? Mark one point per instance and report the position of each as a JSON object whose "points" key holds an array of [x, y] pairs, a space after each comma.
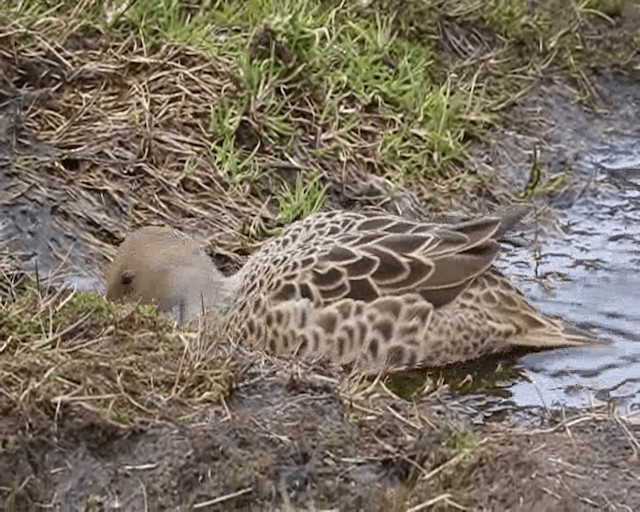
{"points": [[110, 408], [121, 412], [290, 445]]}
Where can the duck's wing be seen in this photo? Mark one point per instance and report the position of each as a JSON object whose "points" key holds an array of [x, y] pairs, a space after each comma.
{"points": [[384, 256]]}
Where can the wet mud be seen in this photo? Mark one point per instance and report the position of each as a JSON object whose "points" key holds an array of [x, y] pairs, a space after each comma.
{"points": [[290, 442]]}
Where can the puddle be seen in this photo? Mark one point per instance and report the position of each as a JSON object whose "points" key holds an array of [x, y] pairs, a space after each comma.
{"points": [[31, 230], [593, 273], [588, 273]]}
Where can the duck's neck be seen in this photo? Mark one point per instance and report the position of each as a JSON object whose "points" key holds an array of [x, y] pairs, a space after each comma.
{"points": [[222, 290]]}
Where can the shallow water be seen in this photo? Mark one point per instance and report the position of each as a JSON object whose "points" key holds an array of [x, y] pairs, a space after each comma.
{"points": [[588, 275]]}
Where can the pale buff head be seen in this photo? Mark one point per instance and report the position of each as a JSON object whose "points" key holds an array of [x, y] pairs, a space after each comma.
{"points": [[163, 266]]}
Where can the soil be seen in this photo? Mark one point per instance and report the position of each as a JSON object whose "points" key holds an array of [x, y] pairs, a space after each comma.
{"points": [[290, 442]]}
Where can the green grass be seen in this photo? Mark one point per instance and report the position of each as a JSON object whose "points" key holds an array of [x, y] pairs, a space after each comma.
{"points": [[607, 7], [306, 197], [402, 89], [29, 322]]}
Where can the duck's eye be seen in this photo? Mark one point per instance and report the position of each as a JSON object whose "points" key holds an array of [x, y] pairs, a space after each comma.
{"points": [[126, 278]]}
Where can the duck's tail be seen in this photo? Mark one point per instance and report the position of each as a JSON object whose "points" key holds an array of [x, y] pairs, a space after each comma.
{"points": [[555, 334]]}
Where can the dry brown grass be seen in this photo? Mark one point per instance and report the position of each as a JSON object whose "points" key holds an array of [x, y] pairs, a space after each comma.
{"points": [[207, 123]]}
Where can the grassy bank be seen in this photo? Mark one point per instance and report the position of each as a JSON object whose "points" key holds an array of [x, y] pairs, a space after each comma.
{"points": [[233, 118], [107, 407]]}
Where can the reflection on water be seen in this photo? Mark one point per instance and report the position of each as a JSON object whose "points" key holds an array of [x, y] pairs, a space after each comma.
{"points": [[590, 276]]}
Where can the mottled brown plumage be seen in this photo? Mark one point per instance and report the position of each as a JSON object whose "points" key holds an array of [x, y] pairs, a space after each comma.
{"points": [[370, 289]]}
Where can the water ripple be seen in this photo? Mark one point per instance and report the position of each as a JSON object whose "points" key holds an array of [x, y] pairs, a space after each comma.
{"points": [[592, 278]]}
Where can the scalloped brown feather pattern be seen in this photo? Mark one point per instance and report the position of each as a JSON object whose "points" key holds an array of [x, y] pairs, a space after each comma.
{"points": [[373, 290]]}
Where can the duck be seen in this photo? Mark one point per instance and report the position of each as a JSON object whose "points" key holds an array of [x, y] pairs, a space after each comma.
{"points": [[372, 290]]}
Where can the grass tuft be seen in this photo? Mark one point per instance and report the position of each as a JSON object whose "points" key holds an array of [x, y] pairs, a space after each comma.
{"points": [[306, 198], [64, 348]]}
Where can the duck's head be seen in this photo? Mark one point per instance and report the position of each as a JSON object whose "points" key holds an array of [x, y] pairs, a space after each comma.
{"points": [[163, 266]]}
